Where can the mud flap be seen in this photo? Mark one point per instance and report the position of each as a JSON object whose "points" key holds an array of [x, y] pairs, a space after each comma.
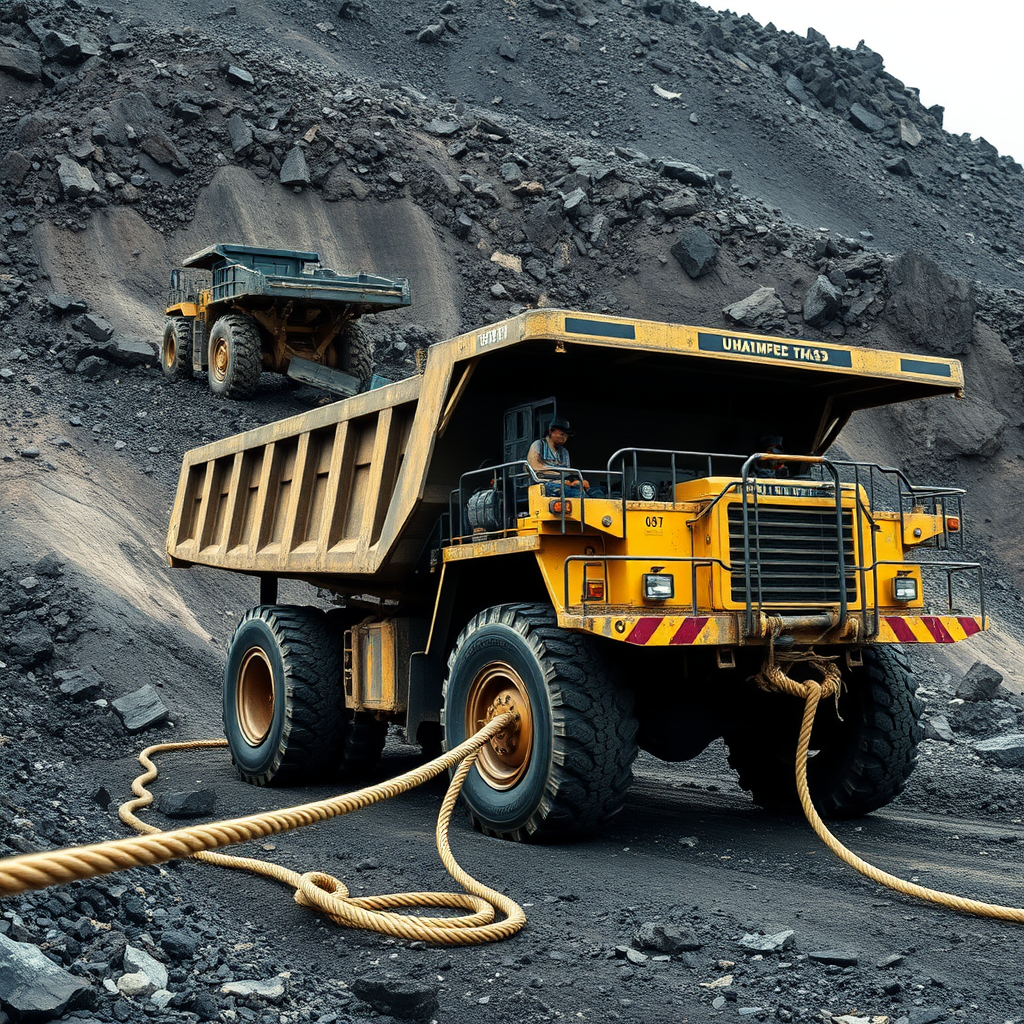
{"points": [[308, 372]]}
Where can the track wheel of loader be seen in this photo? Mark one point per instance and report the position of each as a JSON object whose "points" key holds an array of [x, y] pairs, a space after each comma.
{"points": [[283, 703], [859, 759], [176, 348], [565, 765], [236, 356]]}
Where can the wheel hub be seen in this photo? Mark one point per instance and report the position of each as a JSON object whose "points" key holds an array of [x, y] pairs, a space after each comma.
{"points": [[497, 690], [254, 696], [221, 358]]}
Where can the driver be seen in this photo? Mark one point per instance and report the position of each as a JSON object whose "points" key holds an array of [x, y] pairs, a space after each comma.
{"points": [[549, 455]]}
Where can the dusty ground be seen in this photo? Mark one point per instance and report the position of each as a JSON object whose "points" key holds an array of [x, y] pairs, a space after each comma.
{"points": [[90, 465]]}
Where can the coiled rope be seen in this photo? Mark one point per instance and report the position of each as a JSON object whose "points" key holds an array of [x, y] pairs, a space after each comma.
{"points": [[323, 891], [314, 888]]}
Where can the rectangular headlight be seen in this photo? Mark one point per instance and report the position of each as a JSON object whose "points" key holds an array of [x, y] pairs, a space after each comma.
{"points": [[904, 588], [659, 586]]}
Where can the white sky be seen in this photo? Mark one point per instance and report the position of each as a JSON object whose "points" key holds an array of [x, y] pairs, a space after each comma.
{"points": [[965, 57]]}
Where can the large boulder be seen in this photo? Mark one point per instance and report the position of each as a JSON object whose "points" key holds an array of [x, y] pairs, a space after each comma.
{"points": [[21, 62], [930, 309], [32, 986], [980, 683], [822, 302], [696, 251], [760, 311], [75, 180]]}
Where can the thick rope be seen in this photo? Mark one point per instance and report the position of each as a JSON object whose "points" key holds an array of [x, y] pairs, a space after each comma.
{"points": [[312, 889], [773, 677]]}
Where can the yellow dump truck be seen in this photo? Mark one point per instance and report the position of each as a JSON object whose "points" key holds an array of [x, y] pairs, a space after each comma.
{"points": [[635, 612], [235, 311]]}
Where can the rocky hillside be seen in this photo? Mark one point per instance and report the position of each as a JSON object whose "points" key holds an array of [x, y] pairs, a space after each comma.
{"points": [[644, 157]]}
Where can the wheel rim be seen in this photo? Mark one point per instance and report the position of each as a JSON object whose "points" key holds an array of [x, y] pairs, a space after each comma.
{"points": [[220, 359], [496, 689], [254, 696], [170, 349]]}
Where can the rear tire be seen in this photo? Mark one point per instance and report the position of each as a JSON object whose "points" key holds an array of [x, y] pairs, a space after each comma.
{"points": [[357, 353], [236, 356], [566, 765], [862, 762], [282, 696], [365, 735], [176, 348]]}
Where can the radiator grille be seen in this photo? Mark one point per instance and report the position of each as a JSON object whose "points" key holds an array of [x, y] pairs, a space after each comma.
{"points": [[794, 555]]}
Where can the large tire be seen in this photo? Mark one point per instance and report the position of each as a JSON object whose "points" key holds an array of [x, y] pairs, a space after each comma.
{"points": [[176, 348], [365, 735], [564, 769], [357, 353], [861, 759], [283, 703], [236, 356]]}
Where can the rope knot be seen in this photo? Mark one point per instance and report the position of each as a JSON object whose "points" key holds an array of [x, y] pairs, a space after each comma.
{"points": [[317, 889]]}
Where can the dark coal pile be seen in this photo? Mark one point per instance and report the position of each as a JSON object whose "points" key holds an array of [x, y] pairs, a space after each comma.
{"points": [[642, 158]]}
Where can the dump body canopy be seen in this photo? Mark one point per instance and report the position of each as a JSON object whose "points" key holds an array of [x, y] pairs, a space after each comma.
{"points": [[293, 275], [348, 495]]}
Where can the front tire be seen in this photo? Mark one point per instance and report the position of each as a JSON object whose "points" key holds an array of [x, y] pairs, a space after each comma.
{"points": [[282, 696], [565, 766], [860, 761], [236, 356], [176, 348]]}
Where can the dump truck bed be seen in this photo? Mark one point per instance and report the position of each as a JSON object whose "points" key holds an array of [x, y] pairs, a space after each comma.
{"points": [[243, 271], [348, 495], [234, 282]]}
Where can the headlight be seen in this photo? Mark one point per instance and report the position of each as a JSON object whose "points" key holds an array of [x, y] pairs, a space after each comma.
{"points": [[647, 490], [904, 588], [659, 586]]}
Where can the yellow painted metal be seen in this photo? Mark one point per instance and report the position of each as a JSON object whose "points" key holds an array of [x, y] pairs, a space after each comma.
{"points": [[374, 669], [347, 495], [929, 629], [377, 662]]}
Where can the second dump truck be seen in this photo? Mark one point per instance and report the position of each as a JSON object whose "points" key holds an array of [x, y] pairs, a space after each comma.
{"points": [[638, 614], [236, 310]]}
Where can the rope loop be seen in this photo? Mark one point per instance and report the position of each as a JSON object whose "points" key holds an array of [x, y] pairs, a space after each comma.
{"points": [[314, 889]]}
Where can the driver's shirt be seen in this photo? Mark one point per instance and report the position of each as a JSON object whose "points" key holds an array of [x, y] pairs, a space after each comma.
{"points": [[557, 459]]}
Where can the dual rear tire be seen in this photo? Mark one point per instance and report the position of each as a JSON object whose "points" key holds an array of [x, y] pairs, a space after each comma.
{"points": [[284, 706], [560, 770], [235, 354]]}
